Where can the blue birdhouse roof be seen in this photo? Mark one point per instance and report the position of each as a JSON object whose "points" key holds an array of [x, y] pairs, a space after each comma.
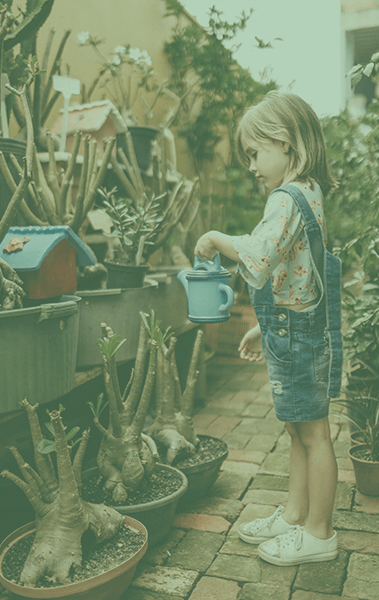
{"points": [[42, 241]]}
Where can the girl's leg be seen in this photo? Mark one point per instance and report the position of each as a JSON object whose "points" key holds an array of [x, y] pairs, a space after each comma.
{"points": [[322, 475], [296, 511]]}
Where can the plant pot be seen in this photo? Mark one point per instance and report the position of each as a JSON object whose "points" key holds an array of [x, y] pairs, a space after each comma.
{"points": [[38, 347], [201, 477], [366, 472], [18, 148], [111, 306], [125, 276], [110, 584], [357, 437], [142, 137], [157, 516]]}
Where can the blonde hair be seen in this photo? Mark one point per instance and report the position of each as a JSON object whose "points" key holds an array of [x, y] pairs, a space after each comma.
{"points": [[286, 118]]}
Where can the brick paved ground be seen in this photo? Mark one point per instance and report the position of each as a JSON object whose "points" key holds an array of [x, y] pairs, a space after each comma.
{"points": [[203, 558]]}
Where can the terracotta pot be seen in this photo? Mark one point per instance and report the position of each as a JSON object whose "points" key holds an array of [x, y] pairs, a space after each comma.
{"points": [[106, 586], [357, 437], [201, 477], [366, 472]]}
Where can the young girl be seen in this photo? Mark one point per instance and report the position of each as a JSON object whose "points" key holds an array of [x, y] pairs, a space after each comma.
{"points": [[295, 288]]}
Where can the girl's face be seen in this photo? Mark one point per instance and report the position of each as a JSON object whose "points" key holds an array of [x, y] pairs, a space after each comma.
{"points": [[269, 161]]}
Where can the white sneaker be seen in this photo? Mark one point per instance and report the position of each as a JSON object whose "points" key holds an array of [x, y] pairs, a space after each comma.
{"points": [[297, 547], [261, 530]]}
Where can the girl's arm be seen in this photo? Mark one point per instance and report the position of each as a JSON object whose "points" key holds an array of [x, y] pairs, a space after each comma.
{"points": [[212, 242]]}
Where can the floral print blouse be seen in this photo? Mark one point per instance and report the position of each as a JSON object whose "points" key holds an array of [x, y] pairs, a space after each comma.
{"points": [[278, 246]]}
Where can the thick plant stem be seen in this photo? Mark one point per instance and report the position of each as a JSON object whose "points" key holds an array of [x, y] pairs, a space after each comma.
{"points": [[138, 377], [62, 201], [114, 417], [143, 407], [98, 180], [79, 456], [79, 206], [189, 392]]}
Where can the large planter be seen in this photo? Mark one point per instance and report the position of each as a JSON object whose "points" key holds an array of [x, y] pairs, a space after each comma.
{"points": [[125, 276], [157, 515], [118, 308], [106, 586], [366, 472], [201, 477], [38, 348]]}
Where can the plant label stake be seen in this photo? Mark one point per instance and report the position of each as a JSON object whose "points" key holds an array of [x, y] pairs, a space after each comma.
{"points": [[4, 94], [67, 86]]}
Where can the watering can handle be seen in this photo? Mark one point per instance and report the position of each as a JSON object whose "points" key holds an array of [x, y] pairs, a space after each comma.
{"points": [[214, 265], [226, 289]]}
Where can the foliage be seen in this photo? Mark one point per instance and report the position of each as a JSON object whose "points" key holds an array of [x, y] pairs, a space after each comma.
{"points": [[134, 226], [214, 92]]}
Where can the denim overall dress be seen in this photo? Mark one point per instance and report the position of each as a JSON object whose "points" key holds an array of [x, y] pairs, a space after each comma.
{"points": [[303, 349]]}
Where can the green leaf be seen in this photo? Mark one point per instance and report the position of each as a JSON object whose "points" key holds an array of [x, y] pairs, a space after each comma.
{"points": [[72, 433], [46, 446]]}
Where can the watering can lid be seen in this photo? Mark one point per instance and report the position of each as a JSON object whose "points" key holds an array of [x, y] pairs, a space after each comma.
{"points": [[208, 269]]}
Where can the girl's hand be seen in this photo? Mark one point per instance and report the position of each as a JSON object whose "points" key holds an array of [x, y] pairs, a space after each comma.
{"points": [[250, 347], [205, 248]]}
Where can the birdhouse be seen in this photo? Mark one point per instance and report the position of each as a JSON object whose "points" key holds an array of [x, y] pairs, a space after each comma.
{"points": [[45, 258], [98, 119]]}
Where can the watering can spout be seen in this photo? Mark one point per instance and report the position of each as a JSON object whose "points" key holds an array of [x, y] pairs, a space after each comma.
{"points": [[183, 280]]}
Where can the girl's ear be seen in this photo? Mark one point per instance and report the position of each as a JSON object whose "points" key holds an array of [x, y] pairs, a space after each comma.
{"points": [[286, 147]]}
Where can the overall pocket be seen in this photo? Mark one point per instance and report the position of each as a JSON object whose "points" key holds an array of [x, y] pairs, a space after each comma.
{"points": [[321, 357], [277, 344]]}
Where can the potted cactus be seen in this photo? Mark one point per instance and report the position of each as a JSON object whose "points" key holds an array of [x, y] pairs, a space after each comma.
{"points": [[127, 475], [65, 527]]}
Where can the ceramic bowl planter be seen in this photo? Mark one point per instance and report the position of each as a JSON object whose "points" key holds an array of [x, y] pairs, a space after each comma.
{"points": [[109, 584], [202, 476], [366, 472], [157, 515]]}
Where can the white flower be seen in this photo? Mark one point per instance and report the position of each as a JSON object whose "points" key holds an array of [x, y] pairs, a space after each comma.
{"points": [[121, 50], [139, 57], [116, 60], [83, 37]]}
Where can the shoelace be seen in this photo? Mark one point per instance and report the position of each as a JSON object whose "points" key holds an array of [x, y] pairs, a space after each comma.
{"points": [[268, 521], [295, 537]]}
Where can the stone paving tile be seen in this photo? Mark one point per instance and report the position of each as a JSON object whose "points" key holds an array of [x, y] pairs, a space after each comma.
{"points": [[272, 497], [274, 575], [237, 441], [160, 554], [344, 496], [222, 425], [270, 482], [201, 522], [264, 396], [138, 594], [238, 568], [323, 577], [256, 410], [256, 426], [260, 591], [276, 464], [196, 551], [246, 470], [203, 420], [302, 595], [229, 509], [367, 504], [261, 442], [283, 443], [345, 463], [247, 456], [230, 485], [346, 476], [212, 588], [234, 545], [355, 521], [359, 541], [341, 447], [362, 577], [166, 580]]}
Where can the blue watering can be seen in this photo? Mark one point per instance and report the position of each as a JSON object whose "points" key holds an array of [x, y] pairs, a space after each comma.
{"points": [[208, 291]]}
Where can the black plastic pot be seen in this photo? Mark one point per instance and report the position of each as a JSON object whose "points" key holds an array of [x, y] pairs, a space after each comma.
{"points": [[142, 137], [18, 148], [157, 516], [366, 472], [125, 276], [201, 477]]}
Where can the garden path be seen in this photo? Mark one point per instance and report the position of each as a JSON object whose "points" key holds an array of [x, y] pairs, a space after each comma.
{"points": [[203, 558]]}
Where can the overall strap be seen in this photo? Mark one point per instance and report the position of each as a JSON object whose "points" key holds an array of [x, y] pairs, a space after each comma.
{"points": [[329, 270]]}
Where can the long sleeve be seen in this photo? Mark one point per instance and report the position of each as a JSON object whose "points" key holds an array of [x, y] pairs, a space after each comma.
{"points": [[271, 241]]}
